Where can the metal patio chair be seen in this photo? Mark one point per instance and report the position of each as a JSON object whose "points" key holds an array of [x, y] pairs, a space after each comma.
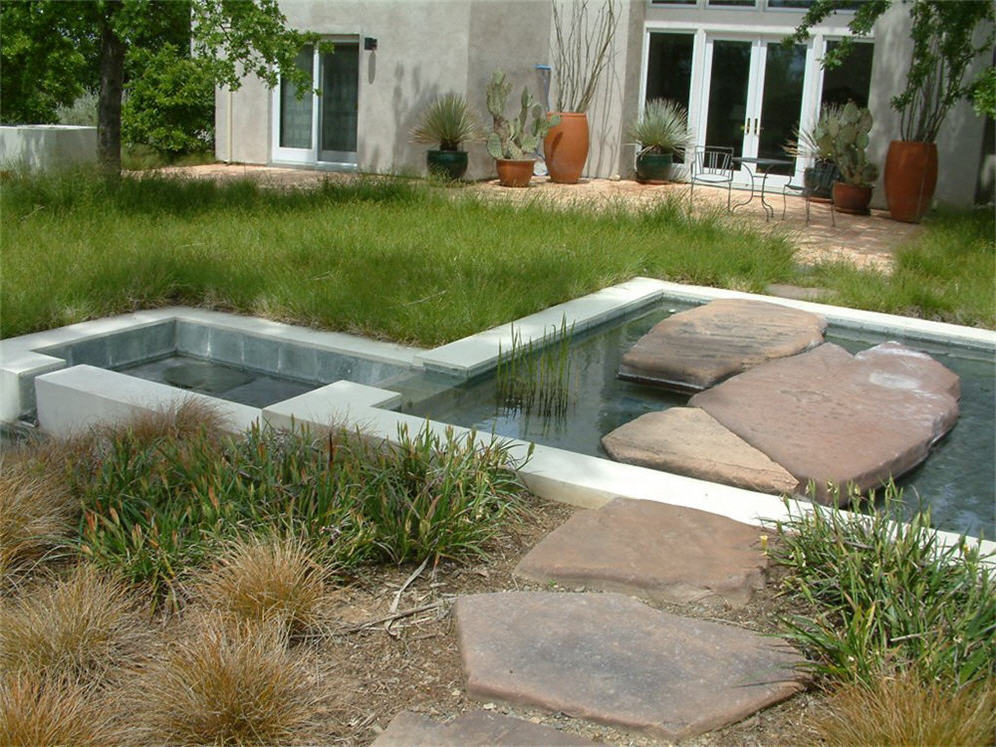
{"points": [[822, 183], [713, 166]]}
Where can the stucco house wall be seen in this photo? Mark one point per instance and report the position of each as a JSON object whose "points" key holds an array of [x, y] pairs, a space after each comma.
{"points": [[429, 47]]}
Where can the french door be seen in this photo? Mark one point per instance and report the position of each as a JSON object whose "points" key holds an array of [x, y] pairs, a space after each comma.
{"points": [[753, 98], [320, 129]]}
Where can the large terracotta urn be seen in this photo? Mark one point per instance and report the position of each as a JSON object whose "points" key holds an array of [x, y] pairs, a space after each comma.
{"points": [[565, 147], [910, 178]]}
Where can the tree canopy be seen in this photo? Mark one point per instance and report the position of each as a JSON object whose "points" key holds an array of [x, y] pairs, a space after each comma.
{"points": [[946, 39], [168, 53]]}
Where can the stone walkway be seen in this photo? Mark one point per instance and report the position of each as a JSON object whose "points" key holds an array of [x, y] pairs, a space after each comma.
{"points": [[865, 241], [605, 656]]}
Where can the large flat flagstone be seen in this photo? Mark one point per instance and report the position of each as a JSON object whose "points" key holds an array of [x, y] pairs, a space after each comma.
{"points": [[474, 729], [689, 441], [612, 659], [694, 349], [653, 551], [829, 417]]}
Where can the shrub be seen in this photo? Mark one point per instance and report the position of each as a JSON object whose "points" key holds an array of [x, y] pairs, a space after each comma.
{"points": [[225, 683], [907, 710], [887, 596], [266, 579], [37, 712], [79, 628]]}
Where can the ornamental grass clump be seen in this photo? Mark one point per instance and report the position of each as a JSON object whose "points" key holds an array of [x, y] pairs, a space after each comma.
{"points": [[447, 122], [224, 682], [42, 712], [905, 709], [885, 596], [80, 627], [266, 579], [37, 511]]}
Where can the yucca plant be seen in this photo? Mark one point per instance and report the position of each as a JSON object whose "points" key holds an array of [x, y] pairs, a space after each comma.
{"points": [[662, 127], [448, 121]]}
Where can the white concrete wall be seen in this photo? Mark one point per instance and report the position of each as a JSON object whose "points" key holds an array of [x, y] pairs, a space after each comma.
{"points": [[428, 47], [43, 147]]}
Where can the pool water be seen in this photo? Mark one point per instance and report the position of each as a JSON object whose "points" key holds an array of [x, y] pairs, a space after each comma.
{"points": [[957, 481]]}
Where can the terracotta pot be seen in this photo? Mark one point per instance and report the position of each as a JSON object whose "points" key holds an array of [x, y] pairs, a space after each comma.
{"points": [[910, 178], [653, 168], [514, 173], [566, 147], [850, 198]]}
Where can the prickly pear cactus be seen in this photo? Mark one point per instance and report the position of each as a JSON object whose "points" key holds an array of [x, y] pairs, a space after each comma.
{"points": [[518, 138], [845, 134]]}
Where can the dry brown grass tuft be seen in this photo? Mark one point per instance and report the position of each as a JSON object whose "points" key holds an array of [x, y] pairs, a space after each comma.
{"points": [[41, 712], [79, 627], [182, 421], [267, 579], [905, 710], [226, 682], [36, 512]]}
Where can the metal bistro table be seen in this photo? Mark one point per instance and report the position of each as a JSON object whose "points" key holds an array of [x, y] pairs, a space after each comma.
{"points": [[764, 165]]}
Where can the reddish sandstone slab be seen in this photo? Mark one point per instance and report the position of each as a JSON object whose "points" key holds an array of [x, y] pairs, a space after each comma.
{"points": [[611, 659], [694, 349], [474, 729], [689, 441], [829, 417], [653, 551]]}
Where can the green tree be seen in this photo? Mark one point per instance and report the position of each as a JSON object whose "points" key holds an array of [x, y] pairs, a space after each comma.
{"points": [[173, 49], [946, 39]]}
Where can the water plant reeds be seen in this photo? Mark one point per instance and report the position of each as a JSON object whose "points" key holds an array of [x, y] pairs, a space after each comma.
{"points": [[534, 376]]}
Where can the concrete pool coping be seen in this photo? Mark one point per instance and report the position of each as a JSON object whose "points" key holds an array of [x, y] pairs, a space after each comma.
{"points": [[551, 473]]}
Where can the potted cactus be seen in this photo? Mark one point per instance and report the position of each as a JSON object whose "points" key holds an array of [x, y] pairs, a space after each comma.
{"points": [[513, 143], [448, 122], [846, 139]]}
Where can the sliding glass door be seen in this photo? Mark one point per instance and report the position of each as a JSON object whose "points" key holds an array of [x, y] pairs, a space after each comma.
{"points": [[320, 128]]}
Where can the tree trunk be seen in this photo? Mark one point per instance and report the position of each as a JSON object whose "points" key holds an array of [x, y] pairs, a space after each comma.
{"points": [[112, 58]]}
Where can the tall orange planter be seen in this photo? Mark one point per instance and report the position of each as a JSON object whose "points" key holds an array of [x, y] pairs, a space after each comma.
{"points": [[565, 147], [910, 179]]}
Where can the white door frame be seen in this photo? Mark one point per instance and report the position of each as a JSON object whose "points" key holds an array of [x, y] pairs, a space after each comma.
{"points": [[312, 155], [705, 34]]}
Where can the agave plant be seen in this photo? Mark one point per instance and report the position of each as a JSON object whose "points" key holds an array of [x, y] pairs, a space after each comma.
{"points": [[449, 121], [661, 128]]}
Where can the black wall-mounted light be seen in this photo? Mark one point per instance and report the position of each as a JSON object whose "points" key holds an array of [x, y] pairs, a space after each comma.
{"points": [[370, 44]]}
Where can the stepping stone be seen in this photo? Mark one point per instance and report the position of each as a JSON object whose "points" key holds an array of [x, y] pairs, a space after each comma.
{"points": [[612, 659], [692, 350], [689, 441], [828, 416], [651, 550], [475, 729]]}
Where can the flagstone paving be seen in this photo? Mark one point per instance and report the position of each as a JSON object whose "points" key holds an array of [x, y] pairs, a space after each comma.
{"points": [[474, 729], [654, 551], [609, 658]]}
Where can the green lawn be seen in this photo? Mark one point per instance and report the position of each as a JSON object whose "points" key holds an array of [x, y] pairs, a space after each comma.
{"points": [[404, 260]]}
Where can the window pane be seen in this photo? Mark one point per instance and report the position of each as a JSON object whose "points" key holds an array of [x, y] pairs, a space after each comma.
{"points": [[732, 3], [728, 94], [675, 2], [784, 70], [789, 3], [340, 77], [669, 69], [851, 80], [295, 114]]}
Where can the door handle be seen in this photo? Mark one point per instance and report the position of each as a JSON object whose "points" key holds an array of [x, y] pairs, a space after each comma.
{"points": [[755, 126]]}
